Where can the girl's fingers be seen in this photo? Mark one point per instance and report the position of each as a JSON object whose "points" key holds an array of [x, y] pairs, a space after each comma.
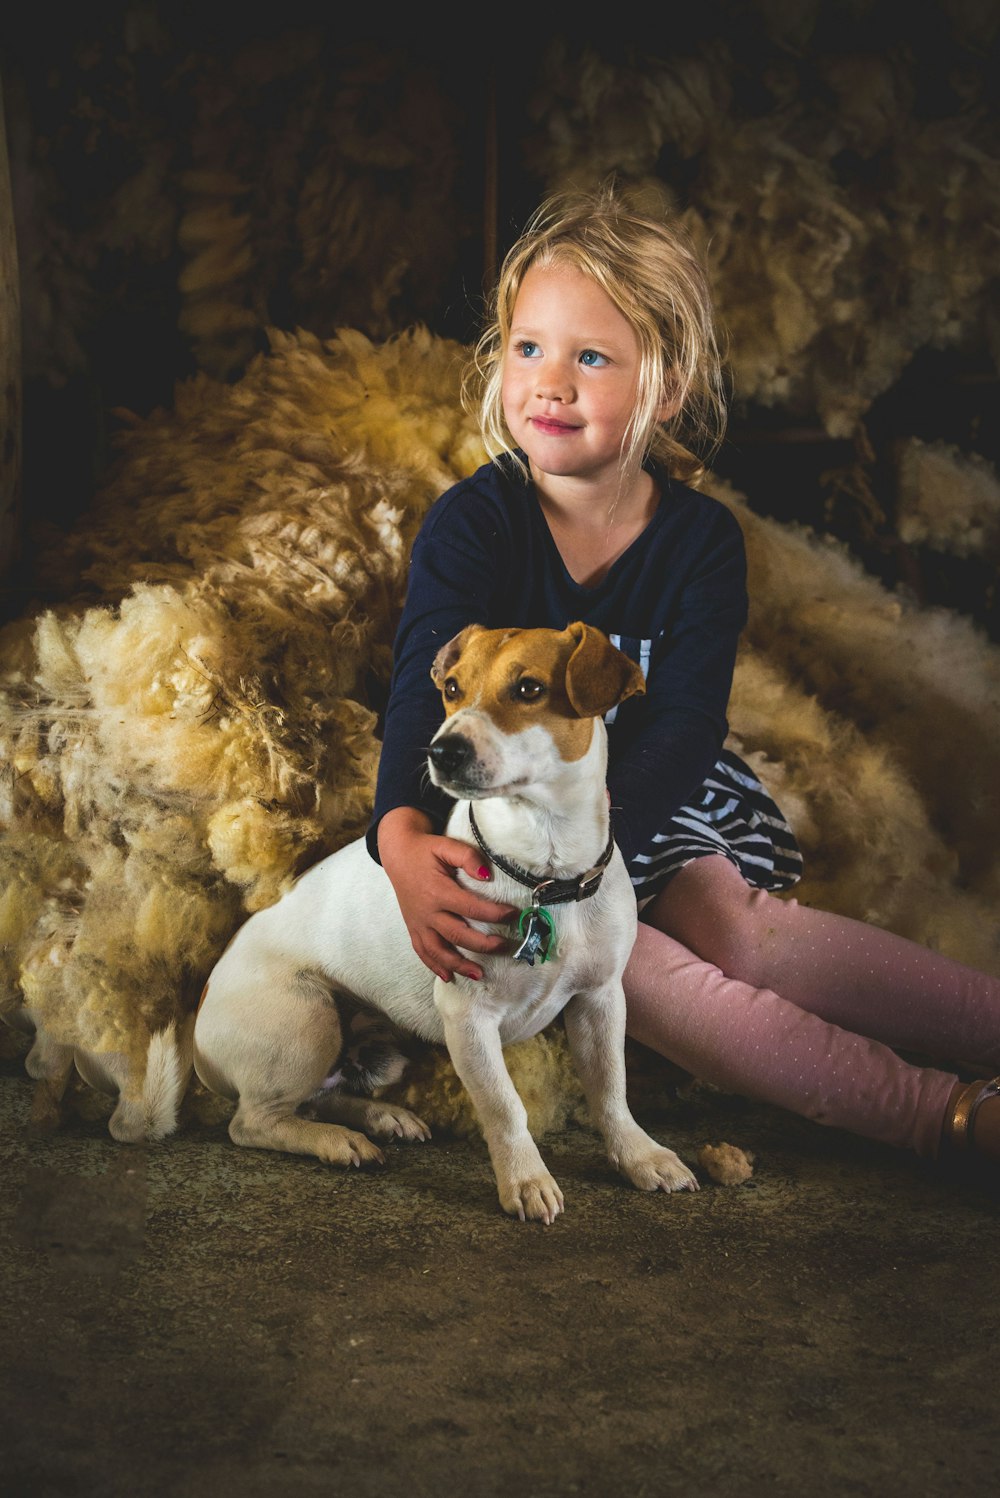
{"points": [[461, 935], [444, 962], [469, 860], [467, 904], [436, 956], [475, 908]]}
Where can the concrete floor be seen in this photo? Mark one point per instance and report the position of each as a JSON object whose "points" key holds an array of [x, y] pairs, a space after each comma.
{"points": [[199, 1320]]}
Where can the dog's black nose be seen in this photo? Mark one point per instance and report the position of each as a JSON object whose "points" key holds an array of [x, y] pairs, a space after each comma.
{"points": [[451, 754]]}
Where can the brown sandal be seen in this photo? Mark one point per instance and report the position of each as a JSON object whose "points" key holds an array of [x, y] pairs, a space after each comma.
{"points": [[959, 1127]]}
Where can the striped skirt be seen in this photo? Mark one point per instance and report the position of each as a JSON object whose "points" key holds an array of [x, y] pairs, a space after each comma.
{"points": [[731, 814]]}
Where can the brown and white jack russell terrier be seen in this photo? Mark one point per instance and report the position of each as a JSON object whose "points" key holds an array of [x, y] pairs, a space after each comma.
{"points": [[524, 743]]}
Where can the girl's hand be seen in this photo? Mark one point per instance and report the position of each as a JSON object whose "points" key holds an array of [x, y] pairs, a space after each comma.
{"points": [[421, 867]]}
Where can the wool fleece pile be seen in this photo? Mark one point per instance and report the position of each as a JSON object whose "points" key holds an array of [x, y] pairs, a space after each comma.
{"points": [[196, 723]]}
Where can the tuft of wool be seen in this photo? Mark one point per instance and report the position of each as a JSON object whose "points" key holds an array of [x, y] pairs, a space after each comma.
{"points": [[725, 1163], [542, 1072], [947, 499], [342, 206], [309, 175], [869, 847], [255, 846]]}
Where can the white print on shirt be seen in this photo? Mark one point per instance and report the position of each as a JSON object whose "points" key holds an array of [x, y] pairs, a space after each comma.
{"points": [[637, 650]]}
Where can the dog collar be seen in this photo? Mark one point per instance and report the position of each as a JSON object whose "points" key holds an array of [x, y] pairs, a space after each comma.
{"points": [[546, 891], [535, 925]]}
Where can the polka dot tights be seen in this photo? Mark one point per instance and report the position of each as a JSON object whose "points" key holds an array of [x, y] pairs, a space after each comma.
{"points": [[805, 1009]]}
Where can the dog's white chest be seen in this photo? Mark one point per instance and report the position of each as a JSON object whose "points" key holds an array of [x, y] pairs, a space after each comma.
{"points": [[590, 945]]}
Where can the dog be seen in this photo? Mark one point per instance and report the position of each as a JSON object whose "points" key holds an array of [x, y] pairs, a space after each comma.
{"points": [[523, 751]]}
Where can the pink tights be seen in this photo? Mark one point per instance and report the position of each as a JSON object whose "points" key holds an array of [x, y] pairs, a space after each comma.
{"points": [[794, 1006]]}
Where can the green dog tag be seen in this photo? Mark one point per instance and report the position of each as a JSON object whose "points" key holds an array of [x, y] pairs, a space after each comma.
{"points": [[536, 928]]}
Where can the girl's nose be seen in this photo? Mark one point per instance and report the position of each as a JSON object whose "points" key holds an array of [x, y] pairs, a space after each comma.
{"points": [[554, 384]]}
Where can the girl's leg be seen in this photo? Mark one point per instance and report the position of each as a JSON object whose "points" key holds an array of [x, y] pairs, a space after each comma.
{"points": [[750, 1041], [848, 973]]}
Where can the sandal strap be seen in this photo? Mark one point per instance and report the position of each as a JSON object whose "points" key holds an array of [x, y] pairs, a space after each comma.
{"points": [[963, 1118]]}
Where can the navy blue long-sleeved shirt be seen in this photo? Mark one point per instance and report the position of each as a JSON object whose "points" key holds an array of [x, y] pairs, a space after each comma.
{"points": [[675, 601]]}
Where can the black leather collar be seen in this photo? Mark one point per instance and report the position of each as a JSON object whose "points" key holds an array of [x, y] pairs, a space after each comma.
{"points": [[546, 891]]}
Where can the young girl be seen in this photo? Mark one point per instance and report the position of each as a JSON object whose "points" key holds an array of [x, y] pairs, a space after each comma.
{"points": [[599, 373]]}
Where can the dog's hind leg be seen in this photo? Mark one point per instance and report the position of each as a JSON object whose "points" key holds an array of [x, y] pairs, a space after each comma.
{"points": [[381, 1120], [270, 1040], [375, 1056], [50, 1063], [275, 1125]]}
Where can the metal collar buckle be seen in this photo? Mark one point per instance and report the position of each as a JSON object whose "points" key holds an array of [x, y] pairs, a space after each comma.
{"points": [[593, 878]]}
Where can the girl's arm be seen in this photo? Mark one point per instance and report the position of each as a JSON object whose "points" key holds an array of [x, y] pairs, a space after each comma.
{"points": [[452, 580]]}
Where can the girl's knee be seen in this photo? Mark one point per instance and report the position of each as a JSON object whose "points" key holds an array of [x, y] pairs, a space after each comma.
{"points": [[721, 918], [752, 934], [740, 926]]}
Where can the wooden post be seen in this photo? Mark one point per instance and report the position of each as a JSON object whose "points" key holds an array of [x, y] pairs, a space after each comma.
{"points": [[10, 373]]}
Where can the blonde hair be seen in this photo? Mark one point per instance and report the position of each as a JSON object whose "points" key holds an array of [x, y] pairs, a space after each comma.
{"points": [[651, 273]]}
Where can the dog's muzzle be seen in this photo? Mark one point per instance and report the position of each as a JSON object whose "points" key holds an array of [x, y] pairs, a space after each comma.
{"points": [[467, 761]]}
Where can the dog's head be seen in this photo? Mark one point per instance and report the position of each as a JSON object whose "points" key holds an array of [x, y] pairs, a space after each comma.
{"points": [[521, 704]]}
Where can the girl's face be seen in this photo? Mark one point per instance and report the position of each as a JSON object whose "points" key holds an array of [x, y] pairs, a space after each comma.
{"points": [[570, 375]]}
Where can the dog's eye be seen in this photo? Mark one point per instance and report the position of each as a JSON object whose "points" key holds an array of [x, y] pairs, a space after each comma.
{"points": [[451, 689], [528, 689]]}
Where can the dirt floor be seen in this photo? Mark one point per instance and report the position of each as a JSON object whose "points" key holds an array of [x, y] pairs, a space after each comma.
{"points": [[195, 1319]]}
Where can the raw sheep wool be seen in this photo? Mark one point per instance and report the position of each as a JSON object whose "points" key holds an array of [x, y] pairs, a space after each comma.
{"points": [[726, 1164], [921, 685], [948, 499], [196, 721], [336, 166]]}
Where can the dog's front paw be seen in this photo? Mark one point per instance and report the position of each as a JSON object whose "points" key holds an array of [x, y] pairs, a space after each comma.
{"points": [[536, 1199], [655, 1168]]}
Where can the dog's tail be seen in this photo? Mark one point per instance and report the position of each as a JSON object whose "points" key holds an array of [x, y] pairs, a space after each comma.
{"points": [[164, 1085], [153, 1115]]}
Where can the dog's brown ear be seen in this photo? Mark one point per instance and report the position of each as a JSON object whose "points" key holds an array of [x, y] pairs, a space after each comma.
{"points": [[598, 675], [449, 654]]}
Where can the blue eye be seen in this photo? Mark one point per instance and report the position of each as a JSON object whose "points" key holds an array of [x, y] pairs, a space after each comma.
{"points": [[592, 359], [527, 349]]}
